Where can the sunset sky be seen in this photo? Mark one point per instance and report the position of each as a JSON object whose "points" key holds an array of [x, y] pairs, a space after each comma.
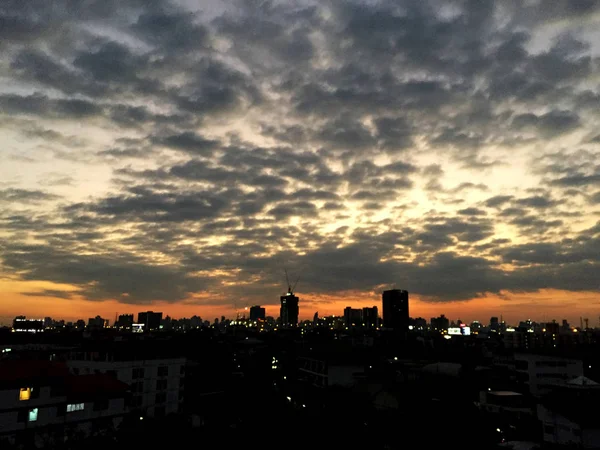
{"points": [[177, 155]]}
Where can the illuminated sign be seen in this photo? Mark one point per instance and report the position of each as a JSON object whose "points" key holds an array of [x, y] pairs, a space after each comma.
{"points": [[459, 331]]}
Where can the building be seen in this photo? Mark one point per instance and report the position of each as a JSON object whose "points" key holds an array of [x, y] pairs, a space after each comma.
{"points": [[567, 415], [42, 404], [395, 309], [97, 323], [289, 310], [541, 374], [257, 313], [154, 374], [370, 317], [440, 324], [21, 324], [124, 322], [150, 320], [352, 317]]}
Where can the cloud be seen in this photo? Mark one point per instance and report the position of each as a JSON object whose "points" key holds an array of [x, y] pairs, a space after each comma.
{"points": [[424, 144], [26, 196]]}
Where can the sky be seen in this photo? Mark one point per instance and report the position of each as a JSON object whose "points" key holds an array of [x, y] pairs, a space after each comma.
{"points": [[178, 156]]}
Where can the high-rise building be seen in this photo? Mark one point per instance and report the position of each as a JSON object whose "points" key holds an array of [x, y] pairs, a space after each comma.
{"points": [[494, 323], [257, 313], [288, 312], [125, 321], [440, 323], [97, 323], [370, 317], [395, 309], [150, 320], [352, 317]]}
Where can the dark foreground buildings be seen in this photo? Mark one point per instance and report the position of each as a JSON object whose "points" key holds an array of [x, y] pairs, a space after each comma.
{"points": [[395, 309]]}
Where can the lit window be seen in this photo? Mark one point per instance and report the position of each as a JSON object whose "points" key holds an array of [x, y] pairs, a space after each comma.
{"points": [[33, 413], [75, 407], [25, 393]]}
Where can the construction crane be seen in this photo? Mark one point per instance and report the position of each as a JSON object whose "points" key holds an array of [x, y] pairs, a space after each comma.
{"points": [[291, 287]]}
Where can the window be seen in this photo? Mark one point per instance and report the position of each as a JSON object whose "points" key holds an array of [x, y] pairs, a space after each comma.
{"points": [[33, 415], [72, 407], [161, 385], [163, 371], [181, 370], [548, 429], [181, 382], [159, 411], [138, 386], [161, 397], [138, 373], [25, 393], [60, 410]]}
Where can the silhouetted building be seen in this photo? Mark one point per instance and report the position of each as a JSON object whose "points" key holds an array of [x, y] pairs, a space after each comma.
{"points": [[22, 324], [440, 323], [150, 320], [494, 324], [125, 321], [370, 317], [288, 313], [97, 323], [257, 313], [395, 309], [352, 317]]}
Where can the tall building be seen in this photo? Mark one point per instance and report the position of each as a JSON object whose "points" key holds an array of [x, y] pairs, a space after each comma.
{"points": [[150, 320], [97, 323], [440, 323], [395, 309], [370, 317], [125, 321], [257, 313], [288, 312], [352, 317]]}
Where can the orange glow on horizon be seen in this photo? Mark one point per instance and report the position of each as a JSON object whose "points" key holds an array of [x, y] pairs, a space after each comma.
{"points": [[539, 306]]}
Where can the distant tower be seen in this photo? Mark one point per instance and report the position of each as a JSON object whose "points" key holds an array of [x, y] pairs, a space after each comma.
{"points": [[395, 309], [289, 310]]}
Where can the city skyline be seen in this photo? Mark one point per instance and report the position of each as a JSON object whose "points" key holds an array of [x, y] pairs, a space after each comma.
{"points": [[162, 156]]}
